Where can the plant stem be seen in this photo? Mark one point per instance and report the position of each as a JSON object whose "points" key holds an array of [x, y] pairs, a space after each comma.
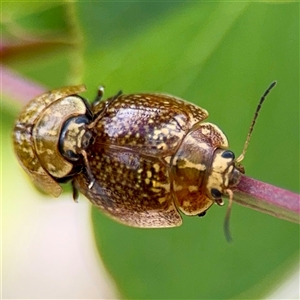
{"points": [[268, 199]]}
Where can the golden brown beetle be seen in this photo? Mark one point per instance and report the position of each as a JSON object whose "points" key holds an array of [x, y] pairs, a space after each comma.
{"points": [[140, 158]]}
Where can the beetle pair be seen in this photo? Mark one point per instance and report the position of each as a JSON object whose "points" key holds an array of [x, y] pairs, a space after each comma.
{"points": [[140, 158]]}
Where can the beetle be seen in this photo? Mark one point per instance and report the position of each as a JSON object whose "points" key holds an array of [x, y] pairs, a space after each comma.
{"points": [[140, 158]]}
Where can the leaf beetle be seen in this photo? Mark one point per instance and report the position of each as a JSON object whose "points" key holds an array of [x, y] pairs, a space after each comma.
{"points": [[140, 158]]}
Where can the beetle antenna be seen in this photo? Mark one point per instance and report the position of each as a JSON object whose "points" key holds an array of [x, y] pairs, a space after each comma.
{"points": [[262, 99], [227, 217]]}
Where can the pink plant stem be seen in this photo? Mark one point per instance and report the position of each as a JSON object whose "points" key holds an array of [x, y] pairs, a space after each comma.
{"points": [[15, 86], [268, 199]]}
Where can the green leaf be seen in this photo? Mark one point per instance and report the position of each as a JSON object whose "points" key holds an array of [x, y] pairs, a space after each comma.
{"points": [[221, 56]]}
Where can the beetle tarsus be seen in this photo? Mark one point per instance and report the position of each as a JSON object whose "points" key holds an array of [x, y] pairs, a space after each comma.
{"points": [[100, 93], [75, 192], [91, 183], [220, 202], [202, 214], [88, 169]]}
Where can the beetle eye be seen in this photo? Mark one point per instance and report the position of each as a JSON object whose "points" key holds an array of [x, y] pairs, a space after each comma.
{"points": [[228, 154], [216, 193]]}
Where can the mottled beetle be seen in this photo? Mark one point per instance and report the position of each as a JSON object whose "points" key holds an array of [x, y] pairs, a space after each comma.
{"points": [[140, 158]]}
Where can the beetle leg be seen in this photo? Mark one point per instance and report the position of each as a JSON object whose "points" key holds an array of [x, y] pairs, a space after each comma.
{"points": [[202, 214], [101, 114], [220, 201], [119, 93], [75, 191], [99, 96], [88, 169]]}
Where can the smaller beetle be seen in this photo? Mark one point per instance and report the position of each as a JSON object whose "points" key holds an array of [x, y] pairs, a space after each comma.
{"points": [[140, 158], [38, 132]]}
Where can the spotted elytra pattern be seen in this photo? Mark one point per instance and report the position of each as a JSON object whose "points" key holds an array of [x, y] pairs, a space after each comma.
{"points": [[150, 157]]}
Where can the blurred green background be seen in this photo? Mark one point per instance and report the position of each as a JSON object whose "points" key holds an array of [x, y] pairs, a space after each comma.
{"points": [[221, 56]]}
